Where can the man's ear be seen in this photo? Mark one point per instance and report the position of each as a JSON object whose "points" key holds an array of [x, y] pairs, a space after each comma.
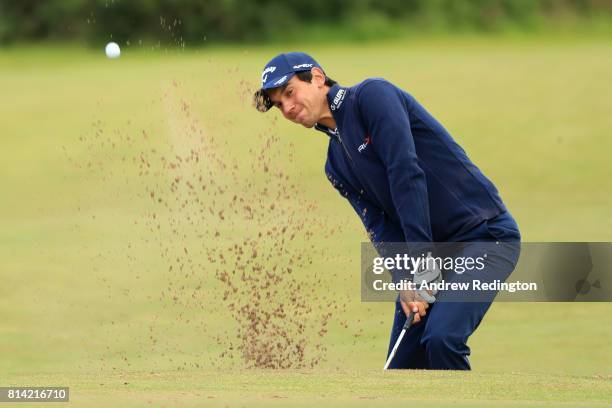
{"points": [[318, 77]]}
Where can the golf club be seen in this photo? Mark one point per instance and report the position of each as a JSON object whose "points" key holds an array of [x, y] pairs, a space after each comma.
{"points": [[424, 274], [407, 325]]}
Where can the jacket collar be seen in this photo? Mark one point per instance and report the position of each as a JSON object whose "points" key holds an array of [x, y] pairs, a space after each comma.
{"points": [[335, 100], [333, 133]]}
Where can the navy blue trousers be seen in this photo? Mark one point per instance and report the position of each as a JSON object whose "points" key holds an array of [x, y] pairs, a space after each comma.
{"points": [[439, 340]]}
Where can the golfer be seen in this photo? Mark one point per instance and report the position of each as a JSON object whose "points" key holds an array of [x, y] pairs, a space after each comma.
{"points": [[408, 181]]}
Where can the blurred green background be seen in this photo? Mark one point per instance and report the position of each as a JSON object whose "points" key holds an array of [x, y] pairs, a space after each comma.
{"points": [[193, 22], [113, 293]]}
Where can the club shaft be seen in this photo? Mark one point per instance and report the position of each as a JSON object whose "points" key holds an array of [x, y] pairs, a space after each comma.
{"points": [[407, 325]]}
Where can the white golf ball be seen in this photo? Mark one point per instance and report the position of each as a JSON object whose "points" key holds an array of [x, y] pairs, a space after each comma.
{"points": [[112, 50]]}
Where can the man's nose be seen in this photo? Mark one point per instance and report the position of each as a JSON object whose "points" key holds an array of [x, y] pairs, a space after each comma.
{"points": [[289, 108]]}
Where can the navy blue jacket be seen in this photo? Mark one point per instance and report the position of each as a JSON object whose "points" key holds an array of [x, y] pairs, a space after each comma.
{"points": [[402, 172]]}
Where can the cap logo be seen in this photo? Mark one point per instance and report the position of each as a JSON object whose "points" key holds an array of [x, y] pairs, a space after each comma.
{"points": [[280, 81], [302, 66], [264, 75]]}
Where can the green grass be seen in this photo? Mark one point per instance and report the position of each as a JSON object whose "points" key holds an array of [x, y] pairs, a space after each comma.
{"points": [[340, 387], [87, 301]]}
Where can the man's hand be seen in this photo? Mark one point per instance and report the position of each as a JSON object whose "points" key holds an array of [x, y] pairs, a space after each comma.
{"points": [[412, 302]]}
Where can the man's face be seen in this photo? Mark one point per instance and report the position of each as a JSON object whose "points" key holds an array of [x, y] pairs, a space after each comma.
{"points": [[301, 102]]}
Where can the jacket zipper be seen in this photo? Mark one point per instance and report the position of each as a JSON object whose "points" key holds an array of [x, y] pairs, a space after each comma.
{"points": [[343, 146]]}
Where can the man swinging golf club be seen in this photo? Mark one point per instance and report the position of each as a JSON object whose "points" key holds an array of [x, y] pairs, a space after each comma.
{"points": [[408, 181]]}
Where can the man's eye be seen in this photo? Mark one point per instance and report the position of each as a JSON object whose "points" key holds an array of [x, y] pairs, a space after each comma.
{"points": [[289, 92]]}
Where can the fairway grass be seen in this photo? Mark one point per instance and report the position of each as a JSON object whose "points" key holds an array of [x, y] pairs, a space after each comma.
{"points": [[337, 387], [87, 300]]}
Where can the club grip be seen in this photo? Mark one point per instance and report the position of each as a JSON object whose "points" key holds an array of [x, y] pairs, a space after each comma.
{"points": [[409, 320]]}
